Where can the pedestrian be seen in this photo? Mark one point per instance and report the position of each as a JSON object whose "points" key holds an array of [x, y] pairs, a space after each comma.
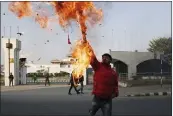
{"points": [[47, 79], [72, 85], [81, 79], [105, 85], [11, 78], [35, 78]]}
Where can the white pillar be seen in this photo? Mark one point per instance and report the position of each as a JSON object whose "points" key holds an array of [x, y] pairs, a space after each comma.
{"points": [[131, 70], [14, 55], [85, 77], [23, 72]]}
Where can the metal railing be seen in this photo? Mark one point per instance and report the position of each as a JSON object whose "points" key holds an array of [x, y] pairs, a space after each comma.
{"points": [[42, 80], [146, 75]]}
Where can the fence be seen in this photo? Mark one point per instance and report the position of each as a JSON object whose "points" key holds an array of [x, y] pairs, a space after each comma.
{"points": [[146, 75], [42, 80]]}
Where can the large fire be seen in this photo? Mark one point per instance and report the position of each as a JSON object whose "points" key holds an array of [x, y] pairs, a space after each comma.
{"points": [[82, 12]]}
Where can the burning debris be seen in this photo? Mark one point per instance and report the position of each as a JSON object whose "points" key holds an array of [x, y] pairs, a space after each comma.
{"points": [[20, 34]]}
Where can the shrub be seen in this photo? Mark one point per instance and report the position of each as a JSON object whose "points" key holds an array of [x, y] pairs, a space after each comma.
{"points": [[137, 77]]}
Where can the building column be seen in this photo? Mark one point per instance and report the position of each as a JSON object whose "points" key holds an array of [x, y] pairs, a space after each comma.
{"points": [[85, 77], [131, 70], [14, 60], [23, 70]]}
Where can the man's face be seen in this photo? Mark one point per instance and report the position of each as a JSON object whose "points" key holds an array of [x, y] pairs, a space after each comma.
{"points": [[106, 59]]}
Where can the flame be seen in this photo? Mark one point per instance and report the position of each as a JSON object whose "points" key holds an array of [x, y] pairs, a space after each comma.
{"points": [[42, 20], [82, 12], [21, 9], [79, 11], [82, 52], [24, 9]]}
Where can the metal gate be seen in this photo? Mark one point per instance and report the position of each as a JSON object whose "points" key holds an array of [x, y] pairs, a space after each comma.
{"points": [[89, 76]]}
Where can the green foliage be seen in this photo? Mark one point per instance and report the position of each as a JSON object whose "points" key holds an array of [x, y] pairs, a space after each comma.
{"points": [[34, 74], [40, 71], [51, 74], [163, 45], [34, 77], [56, 74], [61, 74]]}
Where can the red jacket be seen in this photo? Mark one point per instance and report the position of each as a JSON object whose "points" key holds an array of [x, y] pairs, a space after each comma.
{"points": [[105, 79]]}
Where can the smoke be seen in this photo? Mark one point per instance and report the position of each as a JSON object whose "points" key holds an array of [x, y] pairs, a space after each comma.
{"points": [[25, 55], [94, 34]]}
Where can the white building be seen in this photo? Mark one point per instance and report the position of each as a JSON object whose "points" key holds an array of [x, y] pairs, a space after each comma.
{"points": [[56, 66]]}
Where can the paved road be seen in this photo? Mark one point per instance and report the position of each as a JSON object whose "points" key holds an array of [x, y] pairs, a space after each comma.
{"points": [[49, 101]]}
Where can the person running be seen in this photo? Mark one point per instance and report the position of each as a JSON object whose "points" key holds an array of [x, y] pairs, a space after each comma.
{"points": [[47, 79], [81, 79], [72, 85]]}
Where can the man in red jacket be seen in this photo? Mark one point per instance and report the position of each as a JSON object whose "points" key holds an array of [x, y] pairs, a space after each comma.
{"points": [[105, 86]]}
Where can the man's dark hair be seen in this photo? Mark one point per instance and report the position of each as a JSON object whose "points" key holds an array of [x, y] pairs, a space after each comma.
{"points": [[106, 54]]}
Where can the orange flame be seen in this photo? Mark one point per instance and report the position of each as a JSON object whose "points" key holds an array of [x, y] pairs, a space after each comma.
{"points": [[21, 9], [43, 21], [24, 9], [79, 11], [82, 52], [66, 12]]}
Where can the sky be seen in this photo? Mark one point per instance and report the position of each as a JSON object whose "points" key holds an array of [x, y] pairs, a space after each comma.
{"points": [[125, 26]]}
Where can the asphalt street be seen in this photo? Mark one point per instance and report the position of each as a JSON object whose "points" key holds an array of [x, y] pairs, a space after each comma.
{"points": [[54, 101]]}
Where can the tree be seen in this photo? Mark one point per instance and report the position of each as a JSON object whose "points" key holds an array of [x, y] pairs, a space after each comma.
{"points": [[163, 45]]}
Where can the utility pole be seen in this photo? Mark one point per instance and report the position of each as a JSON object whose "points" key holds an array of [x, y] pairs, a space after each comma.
{"points": [[161, 71], [9, 46], [4, 31], [20, 66], [18, 32]]}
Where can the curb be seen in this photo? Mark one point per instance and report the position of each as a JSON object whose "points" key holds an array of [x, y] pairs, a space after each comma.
{"points": [[124, 84], [150, 94], [32, 88]]}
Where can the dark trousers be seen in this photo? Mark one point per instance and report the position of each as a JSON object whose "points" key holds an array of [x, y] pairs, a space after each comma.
{"points": [[72, 86], [81, 89], [11, 82], [104, 104], [47, 81]]}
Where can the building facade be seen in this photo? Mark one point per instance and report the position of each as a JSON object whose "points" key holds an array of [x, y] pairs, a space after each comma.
{"points": [[133, 63], [56, 66]]}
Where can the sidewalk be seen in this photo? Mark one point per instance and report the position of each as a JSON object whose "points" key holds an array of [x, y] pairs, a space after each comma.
{"points": [[145, 89], [141, 90], [28, 87]]}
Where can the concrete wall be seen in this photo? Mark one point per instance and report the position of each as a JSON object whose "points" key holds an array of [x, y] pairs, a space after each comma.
{"points": [[132, 59]]}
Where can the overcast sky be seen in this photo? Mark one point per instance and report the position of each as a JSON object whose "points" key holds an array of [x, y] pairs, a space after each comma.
{"points": [[126, 26]]}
